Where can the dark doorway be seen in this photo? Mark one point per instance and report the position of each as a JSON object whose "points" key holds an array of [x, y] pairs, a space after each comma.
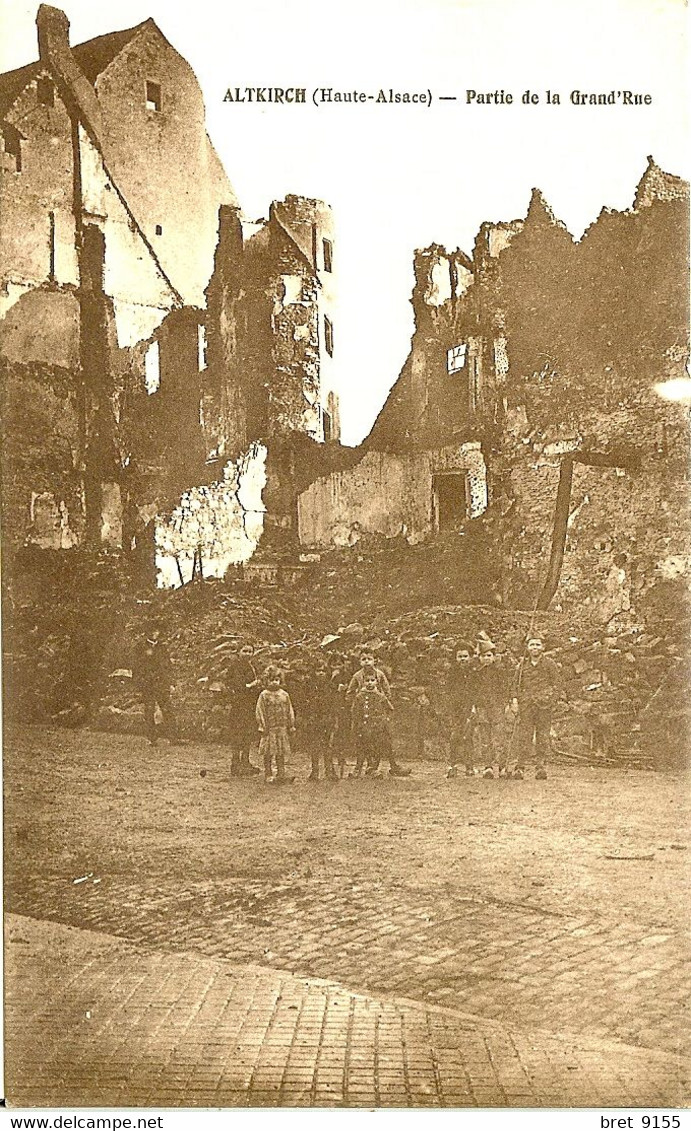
{"points": [[450, 503]]}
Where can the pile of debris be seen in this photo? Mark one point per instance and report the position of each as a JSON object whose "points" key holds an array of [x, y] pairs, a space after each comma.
{"points": [[387, 577], [70, 637]]}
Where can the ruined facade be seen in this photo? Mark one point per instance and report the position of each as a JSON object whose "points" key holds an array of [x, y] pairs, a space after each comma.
{"points": [[551, 356], [122, 393], [105, 252], [267, 398]]}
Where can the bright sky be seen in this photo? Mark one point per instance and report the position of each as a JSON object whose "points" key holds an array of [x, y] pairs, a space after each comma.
{"points": [[401, 177]]}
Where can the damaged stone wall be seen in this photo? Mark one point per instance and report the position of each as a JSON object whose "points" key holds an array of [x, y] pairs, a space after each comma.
{"points": [[553, 349], [389, 494], [431, 402], [271, 325], [593, 329], [41, 485], [90, 455], [160, 153], [270, 334]]}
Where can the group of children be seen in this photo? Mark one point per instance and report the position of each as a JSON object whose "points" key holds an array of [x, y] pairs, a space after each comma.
{"points": [[501, 717], [496, 716], [336, 712]]}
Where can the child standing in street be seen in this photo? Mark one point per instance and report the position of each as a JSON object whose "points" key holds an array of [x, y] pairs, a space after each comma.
{"points": [[491, 700], [535, 693], [371, 711], [319, 723], [276, 721], [241, 684], [460, 693], [154, 674], [340, 732], [367, 672]]}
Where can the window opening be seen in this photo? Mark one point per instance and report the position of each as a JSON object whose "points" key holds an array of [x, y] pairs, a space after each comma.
{"points": [[328, 336], [328, 255], [153, 96], [455, 358]]}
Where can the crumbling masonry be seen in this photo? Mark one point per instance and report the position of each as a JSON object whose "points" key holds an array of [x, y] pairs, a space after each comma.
{"points": [[132, 412], [557, 360]]}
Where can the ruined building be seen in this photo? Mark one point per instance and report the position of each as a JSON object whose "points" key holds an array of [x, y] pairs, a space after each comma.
{"points": [[541, 371], [122, 391]]}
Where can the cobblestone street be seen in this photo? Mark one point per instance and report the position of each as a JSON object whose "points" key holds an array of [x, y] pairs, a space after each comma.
{"points": [[131, 1026], [416, 941]]}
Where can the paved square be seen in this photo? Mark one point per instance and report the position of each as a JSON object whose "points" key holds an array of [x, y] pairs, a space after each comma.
{"points": [[416, 941]]}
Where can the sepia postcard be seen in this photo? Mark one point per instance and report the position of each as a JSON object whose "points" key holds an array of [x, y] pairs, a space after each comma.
{"points": [[346, 558]]}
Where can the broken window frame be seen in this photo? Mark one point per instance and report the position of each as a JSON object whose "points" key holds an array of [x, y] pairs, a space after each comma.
{"points": [[456, 358], [12, 144], [328, 253]]}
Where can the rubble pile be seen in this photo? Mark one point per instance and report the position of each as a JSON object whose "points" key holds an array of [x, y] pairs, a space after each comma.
{"points": [[193, 621], [386, 577], [59, 612], [70, 644]]}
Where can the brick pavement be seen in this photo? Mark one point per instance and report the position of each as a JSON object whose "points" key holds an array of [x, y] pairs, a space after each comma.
{"points": [[513, 964], [93, 1020]]}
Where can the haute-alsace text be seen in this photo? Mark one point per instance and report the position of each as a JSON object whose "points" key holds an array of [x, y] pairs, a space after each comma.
{"points": [[324, 95]]}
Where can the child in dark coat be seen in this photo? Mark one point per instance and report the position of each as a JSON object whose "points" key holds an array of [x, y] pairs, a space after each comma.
{"points": [[491, 695], [241, 683], [460, 703], [319, 723], [371, 712], [154, 674]]}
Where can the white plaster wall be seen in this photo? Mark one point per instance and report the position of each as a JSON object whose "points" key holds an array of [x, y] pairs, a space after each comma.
{"points": [[385, 494], [226, 518]]}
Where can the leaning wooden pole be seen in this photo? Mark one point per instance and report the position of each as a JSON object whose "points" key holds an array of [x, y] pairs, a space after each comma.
{"points": [[561, 522]]}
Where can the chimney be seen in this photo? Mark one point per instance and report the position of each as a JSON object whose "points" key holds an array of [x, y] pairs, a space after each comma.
{"points": [[230, 239], [75, 89], [53, 32]]}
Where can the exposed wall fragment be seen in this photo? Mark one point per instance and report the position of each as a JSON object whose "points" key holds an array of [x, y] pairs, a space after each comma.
{"points": [[391, 495], [214, 526]]}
